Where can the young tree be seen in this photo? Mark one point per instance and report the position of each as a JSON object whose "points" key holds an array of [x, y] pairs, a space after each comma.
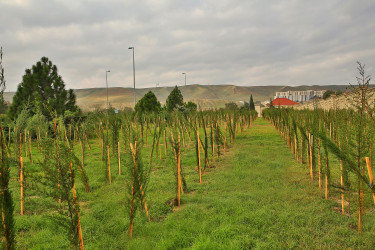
{"points": [[245, 106], [148, 104], [2, 83], [174, 100], [42, 89], [191, 106], [252, 105], [231, 106]]}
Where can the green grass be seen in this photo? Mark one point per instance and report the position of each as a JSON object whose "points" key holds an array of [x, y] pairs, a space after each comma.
{"points": [[256, 196]]}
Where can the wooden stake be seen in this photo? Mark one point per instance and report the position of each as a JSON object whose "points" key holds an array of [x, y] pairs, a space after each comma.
{"points": [[179, 163], [213, 144], [207, 162], [77, 213], [9, 131], [199, 159], [295, 148], [83, 152], [311, 157], [371, 177], [326, 184], [178, 175], [119, 158], [109, 165], [102, 145], [21, 182], [360, 203], [133, 150], [342, 185], [87, 140], [25, 141], [301, 150], [308, 150], [319, 165], [31, 154], [165, 141], [225, 138], [159, 145]]}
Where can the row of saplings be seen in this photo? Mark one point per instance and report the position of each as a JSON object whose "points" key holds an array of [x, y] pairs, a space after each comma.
{"points": [[314, 136], [62, 146]]}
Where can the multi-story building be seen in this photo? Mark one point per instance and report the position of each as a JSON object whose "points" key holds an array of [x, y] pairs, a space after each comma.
{"points": [[300, 95]]}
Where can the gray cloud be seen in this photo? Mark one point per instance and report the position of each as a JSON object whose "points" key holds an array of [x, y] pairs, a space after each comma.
{"points": [[213, 41]]}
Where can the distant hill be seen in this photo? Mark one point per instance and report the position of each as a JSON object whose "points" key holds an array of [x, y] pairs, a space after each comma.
{"points": [[206, 96]]}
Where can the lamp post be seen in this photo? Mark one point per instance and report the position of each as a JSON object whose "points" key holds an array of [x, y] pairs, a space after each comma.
{"points": [[185, 77], [106, 82], [132, 48]]}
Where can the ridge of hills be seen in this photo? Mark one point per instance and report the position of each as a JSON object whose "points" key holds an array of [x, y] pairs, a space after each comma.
{"points": [[205, 96]]}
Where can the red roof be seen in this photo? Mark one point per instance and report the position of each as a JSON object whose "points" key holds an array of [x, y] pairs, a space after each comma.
{"points": [[283, 102]]}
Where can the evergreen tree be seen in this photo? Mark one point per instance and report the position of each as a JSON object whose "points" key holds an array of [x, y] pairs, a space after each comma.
{"points": [[252, 105], [328, 93], [174, 100], [231, 106], [7, 231], [149, 103], [42, 89], [2, 84], [191, 106]]}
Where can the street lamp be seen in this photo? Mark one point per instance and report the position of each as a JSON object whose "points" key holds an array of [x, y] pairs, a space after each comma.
{"points": [[106, 82], [132, 48], [185, 77]]}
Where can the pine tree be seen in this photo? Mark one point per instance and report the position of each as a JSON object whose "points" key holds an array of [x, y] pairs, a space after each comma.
{"points": [[6, 203], [42, 89], [174, 100], [149, 103], [252, 105], [2, 83]]}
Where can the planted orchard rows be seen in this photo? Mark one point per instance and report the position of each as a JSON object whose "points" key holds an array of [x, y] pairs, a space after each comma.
{"points": [[61, 145]]}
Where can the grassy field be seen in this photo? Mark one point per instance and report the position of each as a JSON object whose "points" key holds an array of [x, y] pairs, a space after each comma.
{"points": [[256, 196]]}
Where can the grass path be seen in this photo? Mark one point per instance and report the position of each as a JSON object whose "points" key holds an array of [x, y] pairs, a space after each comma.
{"points": [[256, 197]]}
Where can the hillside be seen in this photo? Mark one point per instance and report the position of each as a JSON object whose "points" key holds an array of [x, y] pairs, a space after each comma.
{"points": [[206, 96]]}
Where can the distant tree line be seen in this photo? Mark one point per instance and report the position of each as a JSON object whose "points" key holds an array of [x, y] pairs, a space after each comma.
{"points": [[329, 92], [247, 105], [175, 101]]}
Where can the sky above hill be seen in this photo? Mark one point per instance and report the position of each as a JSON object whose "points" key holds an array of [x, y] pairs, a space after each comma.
{"points": [[248, 43]]}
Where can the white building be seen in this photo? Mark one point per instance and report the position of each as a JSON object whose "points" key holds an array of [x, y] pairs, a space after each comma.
{"points": [[300, 96]]}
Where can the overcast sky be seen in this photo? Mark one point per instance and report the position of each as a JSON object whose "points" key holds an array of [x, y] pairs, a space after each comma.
{"points": [[240, 42]]}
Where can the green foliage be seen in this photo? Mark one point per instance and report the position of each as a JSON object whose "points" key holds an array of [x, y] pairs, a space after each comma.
{"points": [[37, 124], [175, 100], [252, 105], [328, 93], [148, 104], [215, 213], [7, 229], [59, 165], [138, 177], [231, 106], [245, 106], [271, 103], [191, 107], [42, 89], [3, 105]]}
